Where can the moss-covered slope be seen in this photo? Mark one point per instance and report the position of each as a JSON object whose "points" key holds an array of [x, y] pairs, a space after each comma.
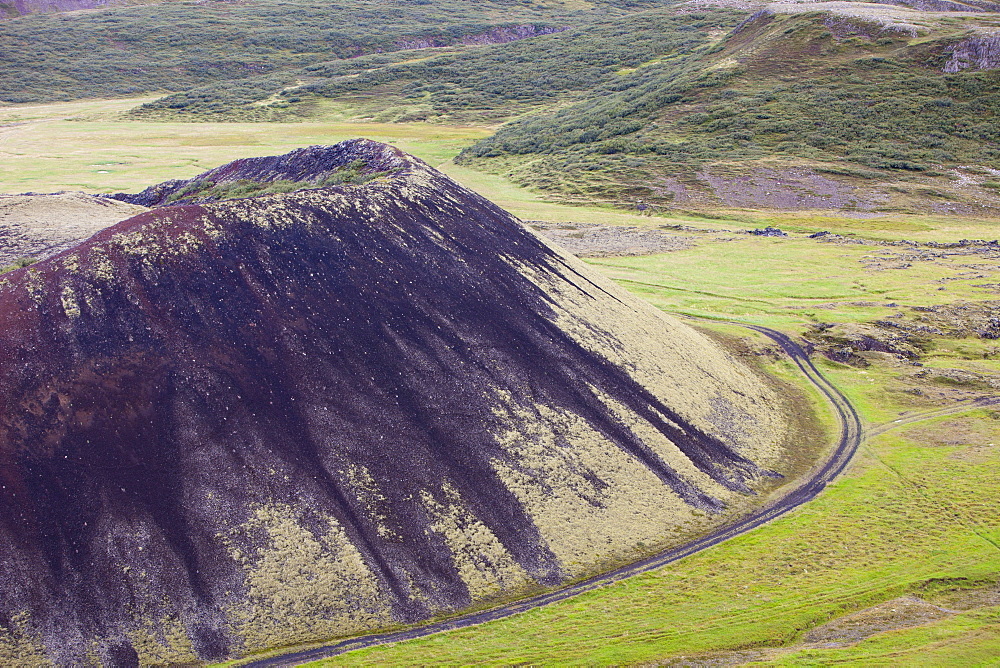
{"points": [[861, 107], [272, 420]]}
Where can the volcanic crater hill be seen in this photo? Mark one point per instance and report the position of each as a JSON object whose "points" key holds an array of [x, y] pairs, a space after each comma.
{"points": [[258, 422]]}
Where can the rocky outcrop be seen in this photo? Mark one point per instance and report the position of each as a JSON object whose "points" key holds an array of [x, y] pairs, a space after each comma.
{"points": [[497, 35], [981, 52], [274, 420]]}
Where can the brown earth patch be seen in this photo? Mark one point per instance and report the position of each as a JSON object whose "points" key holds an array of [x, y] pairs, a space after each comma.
{"points": [[957, 432], [594, 240], [899, 613], [783, 189]]}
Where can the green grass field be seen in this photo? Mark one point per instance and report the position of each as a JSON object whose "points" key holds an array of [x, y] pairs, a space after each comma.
{"points": [[914, 513], [790, 283], [88, 146]]}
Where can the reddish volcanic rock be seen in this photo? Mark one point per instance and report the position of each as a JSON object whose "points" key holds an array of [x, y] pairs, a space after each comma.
{"points": [[281, 419]]}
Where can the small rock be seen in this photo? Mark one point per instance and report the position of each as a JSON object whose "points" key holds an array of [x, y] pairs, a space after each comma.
{"points": [[768, 232]]}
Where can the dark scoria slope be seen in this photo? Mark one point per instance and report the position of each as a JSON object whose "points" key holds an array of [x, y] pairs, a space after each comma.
{"points": [[258, 422]]}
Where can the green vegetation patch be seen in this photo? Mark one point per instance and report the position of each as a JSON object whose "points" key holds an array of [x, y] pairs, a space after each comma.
{"points": [[19, 263], [780, 87], [210, 191], [122, 51]]}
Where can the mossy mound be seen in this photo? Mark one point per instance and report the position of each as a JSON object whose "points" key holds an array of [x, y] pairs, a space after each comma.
{"points": [[282, 419]]}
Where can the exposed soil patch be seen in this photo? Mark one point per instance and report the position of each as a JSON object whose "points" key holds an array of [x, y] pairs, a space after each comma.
{"points": [[38, 226], [967, 190], [593, 240], [900, 613], [783, 189]]}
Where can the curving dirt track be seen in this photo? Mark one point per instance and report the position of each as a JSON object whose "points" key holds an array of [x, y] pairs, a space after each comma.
{"points": [[850, 438]]}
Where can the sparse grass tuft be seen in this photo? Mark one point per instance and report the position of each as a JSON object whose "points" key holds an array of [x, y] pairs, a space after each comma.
{"points": [[209, 191], [19, 263]]}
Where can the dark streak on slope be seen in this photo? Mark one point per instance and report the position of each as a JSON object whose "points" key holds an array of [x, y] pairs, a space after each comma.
{"points": [[850, 438], [144, 415]]}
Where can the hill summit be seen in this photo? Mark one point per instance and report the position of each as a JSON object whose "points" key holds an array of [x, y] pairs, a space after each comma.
{"points": [[283, 418]]}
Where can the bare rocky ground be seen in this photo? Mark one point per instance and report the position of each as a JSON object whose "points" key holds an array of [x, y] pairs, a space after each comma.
{"points": [[594, 240], [39, 226], [967, 190]]}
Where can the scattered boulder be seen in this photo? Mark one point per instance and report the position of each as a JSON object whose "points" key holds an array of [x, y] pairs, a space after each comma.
{"points": [[768, 232]]}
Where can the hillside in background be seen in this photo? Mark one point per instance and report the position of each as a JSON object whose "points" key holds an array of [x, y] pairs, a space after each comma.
{"points": [[840, 106], [175, 46], [832, 106], [873, 110], [478, 84], [11, 9]]}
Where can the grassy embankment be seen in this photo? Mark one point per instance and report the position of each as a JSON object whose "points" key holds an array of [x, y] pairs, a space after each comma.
{"points": [[859, 97], [914, 513]]}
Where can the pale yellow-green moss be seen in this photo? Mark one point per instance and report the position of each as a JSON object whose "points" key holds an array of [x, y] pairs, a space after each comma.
{"points": [[34, 285], [554, 452], [163, 643], [69, 301], [71, 262], [681, 367], [664, 448], [483, 563], [101, 266], [20, 648], [212, 230], [303, 587], [363, 486]]}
